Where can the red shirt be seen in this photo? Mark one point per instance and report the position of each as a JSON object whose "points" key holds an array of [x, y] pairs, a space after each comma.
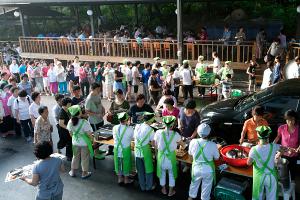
{"points": [[289, 139]]}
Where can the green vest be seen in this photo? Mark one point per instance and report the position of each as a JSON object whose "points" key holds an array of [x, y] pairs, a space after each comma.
{"points": [[146, 151], [200, 70], [85, 137], [259, 174], [225, 71], [126, 165], [210, 163], [167, 153]]}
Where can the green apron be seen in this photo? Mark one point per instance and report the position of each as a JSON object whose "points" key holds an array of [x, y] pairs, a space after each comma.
{"points": [[146, 151], [170, 155], [85, 137], [259, 174], [126, 152], [210, 163]]}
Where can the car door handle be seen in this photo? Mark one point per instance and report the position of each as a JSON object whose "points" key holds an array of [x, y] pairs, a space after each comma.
{"points": [[227, 123]]}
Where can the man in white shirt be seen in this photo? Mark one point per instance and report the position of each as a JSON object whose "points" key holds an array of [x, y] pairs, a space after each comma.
{"points": [[204, 153], [21, 106], [76, 65], [143, 136], [14, 69], [267, 76], [34, 107], [135, 78]]}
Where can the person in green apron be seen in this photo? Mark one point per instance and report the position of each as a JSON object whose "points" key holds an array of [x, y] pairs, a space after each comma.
{"points": [[262, 156], [143, 136], [81, 133], [166, 143], [201, 69], [164, 69], [225, 70], [204, 152], [123, 134]]}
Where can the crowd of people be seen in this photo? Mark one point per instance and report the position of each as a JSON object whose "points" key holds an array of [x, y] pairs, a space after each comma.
{"points": [[79, 89]]}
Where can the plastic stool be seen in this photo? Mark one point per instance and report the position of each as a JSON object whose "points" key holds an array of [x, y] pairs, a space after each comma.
{"points": [[287, 194]]}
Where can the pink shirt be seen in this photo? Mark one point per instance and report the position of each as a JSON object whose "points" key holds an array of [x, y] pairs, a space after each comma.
{"points": [[174, 113], [289, 139], [4, 100], [45, 71]]}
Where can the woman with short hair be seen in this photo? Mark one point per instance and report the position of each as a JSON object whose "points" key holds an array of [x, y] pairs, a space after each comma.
{"points": [[45, 173]]}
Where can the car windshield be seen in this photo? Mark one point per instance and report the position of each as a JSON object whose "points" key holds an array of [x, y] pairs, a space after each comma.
{"points": [[250, 99]]}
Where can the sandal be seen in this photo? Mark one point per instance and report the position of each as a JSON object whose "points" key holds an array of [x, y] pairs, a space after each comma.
{"points": [[164, 191], [130, 181], [87, 176]]}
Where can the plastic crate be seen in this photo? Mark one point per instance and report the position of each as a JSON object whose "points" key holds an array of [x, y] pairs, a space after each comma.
{"points": [[236, 93], [228, 189], [207, 79]]}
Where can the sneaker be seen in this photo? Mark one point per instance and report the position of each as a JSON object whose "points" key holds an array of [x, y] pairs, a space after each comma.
{"points": [[72, 174]]}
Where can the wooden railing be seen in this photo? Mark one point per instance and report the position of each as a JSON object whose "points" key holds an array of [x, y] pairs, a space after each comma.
{"points": [[133, 49], [293, 51]]}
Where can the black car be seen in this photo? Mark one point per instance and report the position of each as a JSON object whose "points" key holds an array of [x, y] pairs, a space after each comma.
{"points": [[227, 117]]}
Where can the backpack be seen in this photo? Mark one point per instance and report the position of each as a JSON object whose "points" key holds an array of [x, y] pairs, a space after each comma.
{"points": [[27, 97]]}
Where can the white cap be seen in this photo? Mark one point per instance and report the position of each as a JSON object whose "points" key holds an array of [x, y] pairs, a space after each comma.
{"points": [[203, 130]]}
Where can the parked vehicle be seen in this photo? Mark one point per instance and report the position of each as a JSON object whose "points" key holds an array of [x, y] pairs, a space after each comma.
{"points": [[227, 117]]}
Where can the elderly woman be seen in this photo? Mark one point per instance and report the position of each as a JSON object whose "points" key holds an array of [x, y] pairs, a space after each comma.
{"points": [[189, 119], [43, 128], [117, 106], [225, 70], [45, 173], [25, 84], [289, 136]]}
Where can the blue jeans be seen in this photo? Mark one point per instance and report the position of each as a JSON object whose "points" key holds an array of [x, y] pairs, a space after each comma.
{"points": [[146, 91], [145, 180], [56, 197], [62, 87], [27, 127]]}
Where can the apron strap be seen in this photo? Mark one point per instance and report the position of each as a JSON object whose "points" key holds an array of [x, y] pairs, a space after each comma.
{"points": [[120, 138], [167, 143], [76, 133], [140, 142]]}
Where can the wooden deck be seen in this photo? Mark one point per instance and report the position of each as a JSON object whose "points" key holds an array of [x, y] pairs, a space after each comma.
{"points": [[105, 49]]}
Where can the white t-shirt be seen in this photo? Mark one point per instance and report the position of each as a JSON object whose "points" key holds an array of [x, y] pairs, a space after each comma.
{"points": [[217, 65], [76, 69], [127, 72], [14, 68], [186, 75], [86, 128], [163, 98], [140, 132], [263, 151], [52, 75], [128, 135], [267, 77], [22, 107], [159, 140], [10, 103], [210, 150], [135, 75], [34, 110]]}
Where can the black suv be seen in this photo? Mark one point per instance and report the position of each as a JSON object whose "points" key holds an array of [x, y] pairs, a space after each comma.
{"points": [[227, 117]]}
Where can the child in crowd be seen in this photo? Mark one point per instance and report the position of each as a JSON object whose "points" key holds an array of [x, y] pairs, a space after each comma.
{"points": [[21, 106], [70, 78], [252, 78], [226, 87], [143, 135], [123, 135], [166, 142], [52, 79], [14, 91]]}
